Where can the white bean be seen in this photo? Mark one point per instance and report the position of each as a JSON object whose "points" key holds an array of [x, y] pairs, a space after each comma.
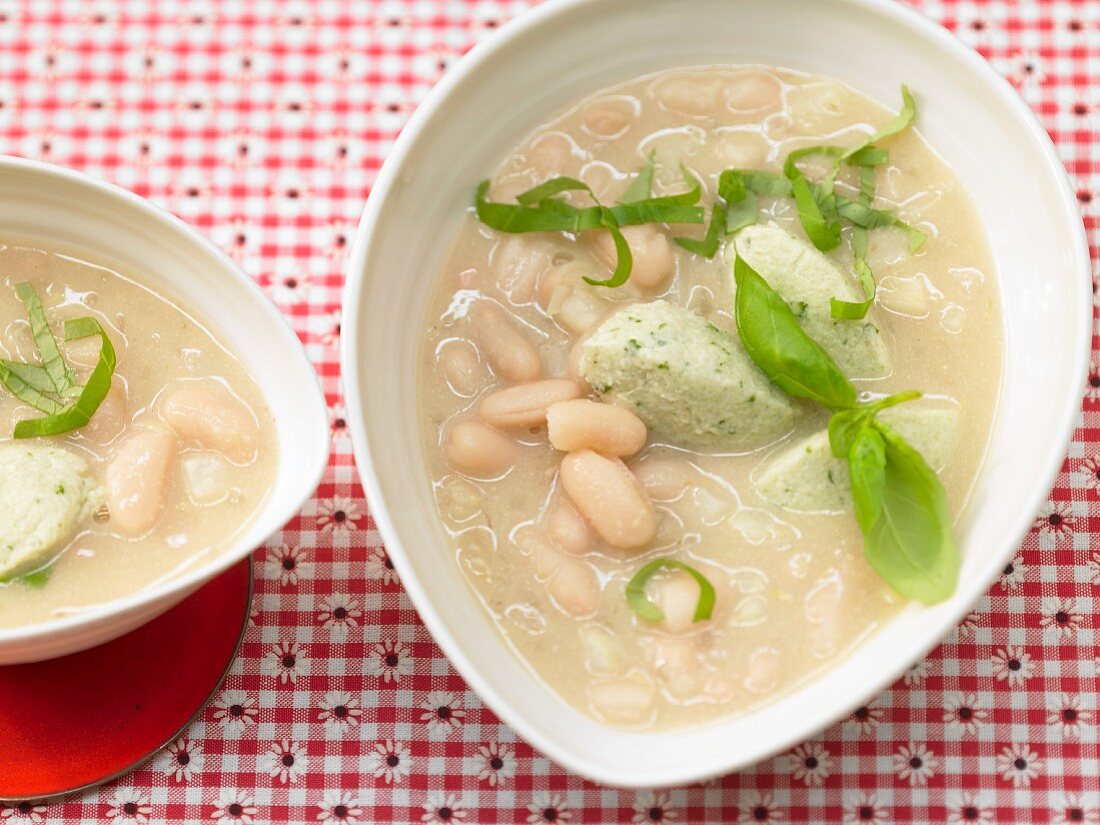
{"points": [[765, 670], [137, 478], [110, 418], [552, 155], [477, 449], [677, 595], [690, 95], [664, 479], [581, 424], [753, 91], [654, 258], [627, 701], [509, 353], [607, 119], [208, 414], [610, 498], [525, 405], [567, 527], [575, 589], [461, 368], [678, 665], [517, 263]]}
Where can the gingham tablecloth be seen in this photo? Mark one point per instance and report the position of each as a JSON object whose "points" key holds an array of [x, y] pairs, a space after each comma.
{"points": [[263, 123]]}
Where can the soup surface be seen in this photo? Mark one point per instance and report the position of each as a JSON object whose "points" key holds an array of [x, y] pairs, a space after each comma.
{"points": [[549, 538], [173, 465]]}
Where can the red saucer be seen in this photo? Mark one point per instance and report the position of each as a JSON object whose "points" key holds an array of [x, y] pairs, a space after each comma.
{"points": [[73, 722]]}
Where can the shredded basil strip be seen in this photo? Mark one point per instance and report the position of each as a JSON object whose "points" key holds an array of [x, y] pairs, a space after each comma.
{"points": [[26, 391], [736, 206], [708, 247], [60, 375], [642, 185], [79, 412], [640, 603], [777, 344], [624, 258], [36, 578]]}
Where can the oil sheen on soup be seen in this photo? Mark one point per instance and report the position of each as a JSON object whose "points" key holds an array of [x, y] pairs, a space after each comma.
{"points": [[172, 466], [561, 467]]}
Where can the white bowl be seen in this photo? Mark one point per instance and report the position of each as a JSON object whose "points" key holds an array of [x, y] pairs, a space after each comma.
{"points": [[545, 61], [104, 221]]}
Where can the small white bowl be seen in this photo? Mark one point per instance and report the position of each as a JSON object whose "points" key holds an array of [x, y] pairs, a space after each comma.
{"points": [[82, 214], [550, 58]]}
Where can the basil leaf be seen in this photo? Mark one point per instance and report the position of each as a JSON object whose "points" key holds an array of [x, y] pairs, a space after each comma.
{"points": [[780, 347], [900, 123], [80, 411], [708, 246], [36, 579], [893, 400], [624, 259], [867, 469], [868, 218], [910, 543], [548, 216], [823, 234], [554, 186], [640, 603], [666, 209], [26, 392], [868, 156], [642, 184], [60, 375], [844, 426]]}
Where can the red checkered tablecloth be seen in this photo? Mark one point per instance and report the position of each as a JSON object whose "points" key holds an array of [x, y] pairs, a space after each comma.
{"points": [[263, 123]]}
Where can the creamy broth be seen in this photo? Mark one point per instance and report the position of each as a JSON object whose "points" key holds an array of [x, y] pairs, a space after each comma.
{"points": [[793, 590], [210, 492]]}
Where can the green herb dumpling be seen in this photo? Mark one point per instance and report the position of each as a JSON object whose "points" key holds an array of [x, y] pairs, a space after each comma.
{"points": [[807, 280], [691, 383], [806, 477], [45, 492]]}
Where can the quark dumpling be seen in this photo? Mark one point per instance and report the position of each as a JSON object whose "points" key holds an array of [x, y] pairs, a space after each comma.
{"points": [[47, 492], [689, 381]]}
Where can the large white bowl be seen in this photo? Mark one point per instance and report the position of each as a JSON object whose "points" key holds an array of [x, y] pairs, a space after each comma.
{"points": [[566, 49], [84, 214]]}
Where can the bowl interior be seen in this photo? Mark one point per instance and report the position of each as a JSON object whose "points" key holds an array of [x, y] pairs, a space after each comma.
{"points": [[548, 60], [84, 216]]}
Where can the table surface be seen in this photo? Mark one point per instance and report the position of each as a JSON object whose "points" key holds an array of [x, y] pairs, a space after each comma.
{"points": [[263, 123]]}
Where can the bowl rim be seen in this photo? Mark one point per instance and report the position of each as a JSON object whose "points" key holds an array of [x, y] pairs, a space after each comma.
{"points": [[355, 286], [309, 478]]}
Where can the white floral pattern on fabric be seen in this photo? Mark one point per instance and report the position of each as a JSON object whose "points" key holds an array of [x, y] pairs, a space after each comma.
{"points": [[339, 808], [442, 710], [1074, 809], [917, 673], [1013, 574], [379, 567], [758, 806], [286, 661], [339, 515], [1013, 664], [866, 718], [967, 807], [389, 661], [915, 763], [810, 764], [651, 807], [548, 809], [339, 615], [182, 759], [1060, 616], [17, 813], [235, 710], [443, 808], [341, 710], [964, 712], [288, 564], [1056, 520], [234, 807], [286, 761], [390, 761], [863, 808], [129, 806], [495, 763], [1019, 764], [1065, 714]]}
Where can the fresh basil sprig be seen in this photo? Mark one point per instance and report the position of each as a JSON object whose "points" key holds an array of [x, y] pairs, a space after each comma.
{"points": [[901, 507], [900, 504], [539, 209], [51, 386], [779, 346], [640, 603]]}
